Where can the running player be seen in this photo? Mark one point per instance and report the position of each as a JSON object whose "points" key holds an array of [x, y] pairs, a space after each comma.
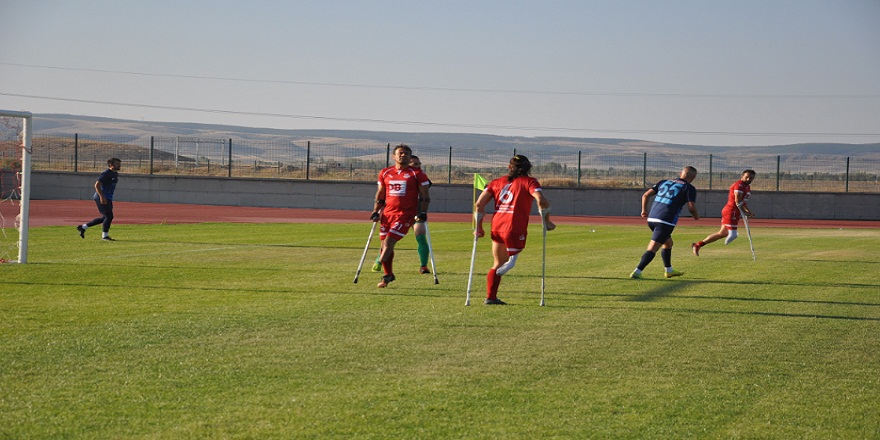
{"points": [[513, 196], [671, 196], [731, 214], [402, 198], [105, 186]]}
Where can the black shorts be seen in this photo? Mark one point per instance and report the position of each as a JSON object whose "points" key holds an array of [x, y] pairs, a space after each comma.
{"points": [[662, 231], [105, 209]]}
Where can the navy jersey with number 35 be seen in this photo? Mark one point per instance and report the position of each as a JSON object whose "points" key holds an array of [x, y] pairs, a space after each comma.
{"points": [[671, 196]]}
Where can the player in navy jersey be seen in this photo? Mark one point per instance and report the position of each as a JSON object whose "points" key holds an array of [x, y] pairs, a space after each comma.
{"points": [[670, 197], [104, 189]]}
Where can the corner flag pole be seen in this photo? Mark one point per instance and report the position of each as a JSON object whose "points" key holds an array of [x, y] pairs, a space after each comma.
{"points": [[479, 183], [467, 300]]}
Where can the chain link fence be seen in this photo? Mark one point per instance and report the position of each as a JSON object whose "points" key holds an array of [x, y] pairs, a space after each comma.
{"points": [[361, 161]]}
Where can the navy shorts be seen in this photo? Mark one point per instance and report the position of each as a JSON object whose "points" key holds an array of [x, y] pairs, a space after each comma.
{"points": [[105, 209], [662, 231]]}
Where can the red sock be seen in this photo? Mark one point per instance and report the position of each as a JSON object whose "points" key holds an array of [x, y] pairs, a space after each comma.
{"points": [[387, 266], [493, 280], [701, 244]]}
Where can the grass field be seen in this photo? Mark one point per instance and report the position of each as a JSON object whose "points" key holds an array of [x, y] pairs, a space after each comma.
{"points": [[257, 331]]}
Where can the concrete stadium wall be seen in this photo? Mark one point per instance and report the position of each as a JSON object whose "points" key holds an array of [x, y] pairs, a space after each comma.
{"points": [[53, 185]]}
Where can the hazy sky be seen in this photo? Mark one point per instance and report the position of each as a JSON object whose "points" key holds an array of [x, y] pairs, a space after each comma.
{"points": [[712, 72]]}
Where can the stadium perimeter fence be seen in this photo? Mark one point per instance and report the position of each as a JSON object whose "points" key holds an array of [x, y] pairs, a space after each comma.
{"points": [[361, 161]]}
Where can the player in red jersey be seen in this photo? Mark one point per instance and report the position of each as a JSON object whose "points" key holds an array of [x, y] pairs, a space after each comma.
{"points": [[420, 231], [737, 199], [402, 198], [513, 196]]}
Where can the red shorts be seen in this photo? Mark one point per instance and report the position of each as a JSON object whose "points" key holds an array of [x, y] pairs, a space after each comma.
{"points": [[397, 225], [730, 217], [515, 242]]}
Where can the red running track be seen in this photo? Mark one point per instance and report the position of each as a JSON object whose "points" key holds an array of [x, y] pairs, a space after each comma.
{"points": [[73, 212]]}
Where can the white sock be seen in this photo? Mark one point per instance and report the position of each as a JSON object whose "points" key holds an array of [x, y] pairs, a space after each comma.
{"points": [[669, 269], [507, 266], [85, 226], [731, 235], [105, 234]]}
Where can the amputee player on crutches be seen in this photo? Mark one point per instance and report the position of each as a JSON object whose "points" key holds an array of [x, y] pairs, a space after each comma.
{"points": [[403, 199], [420, 229], [737, 205], [513, 195]]}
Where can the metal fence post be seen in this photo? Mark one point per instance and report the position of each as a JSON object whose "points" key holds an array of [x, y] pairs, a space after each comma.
{"points": [[778, 158], [579, 169], [449, 167], [644, 170], [308, 157], [388, 155], [76, 152], [710, 171], [152, 150], [229, 160], [847, 174]]}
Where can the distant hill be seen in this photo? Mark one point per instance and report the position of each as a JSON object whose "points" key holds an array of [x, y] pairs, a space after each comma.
{"points": [[60, 124]]}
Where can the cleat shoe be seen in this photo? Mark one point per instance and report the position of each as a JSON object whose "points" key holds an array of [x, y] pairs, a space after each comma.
{"points": [[385, 280], [494, 302], [673, 274], [635, 275], [81, 230], [377, 266], [696, 248], [424, 270], [108, 238]]}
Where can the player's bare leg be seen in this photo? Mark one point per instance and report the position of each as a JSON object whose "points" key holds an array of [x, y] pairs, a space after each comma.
{"points": [[722, 233]]}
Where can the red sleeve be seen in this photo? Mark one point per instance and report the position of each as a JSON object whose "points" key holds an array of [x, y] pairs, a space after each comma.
{"points": [[422, 178]]}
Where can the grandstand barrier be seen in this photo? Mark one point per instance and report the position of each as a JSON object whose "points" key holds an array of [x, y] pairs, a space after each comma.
{"points": [[452, 198]]}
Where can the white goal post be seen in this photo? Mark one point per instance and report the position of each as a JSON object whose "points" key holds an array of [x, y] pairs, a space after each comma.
{"points": [[25, 194]]}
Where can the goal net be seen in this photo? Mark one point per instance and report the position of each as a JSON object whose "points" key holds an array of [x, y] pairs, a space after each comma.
{"points": [[15, 167]]}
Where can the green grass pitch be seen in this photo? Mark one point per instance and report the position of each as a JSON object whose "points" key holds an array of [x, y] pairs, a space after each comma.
{"points": [[257, 331]]}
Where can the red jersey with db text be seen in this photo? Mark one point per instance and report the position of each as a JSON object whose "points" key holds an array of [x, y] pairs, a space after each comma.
{"points": [[513, 203], [741, 187], [402, 189]]}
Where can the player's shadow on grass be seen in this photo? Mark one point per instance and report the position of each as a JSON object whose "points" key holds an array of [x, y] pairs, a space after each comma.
{"points": [[653, 296], [660, 291], [726, 282], [668, 288], [875, 262], [737, 312]]}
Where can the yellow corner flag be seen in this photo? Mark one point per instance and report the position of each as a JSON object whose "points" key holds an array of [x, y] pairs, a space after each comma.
{"points": [[479, 182]]}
